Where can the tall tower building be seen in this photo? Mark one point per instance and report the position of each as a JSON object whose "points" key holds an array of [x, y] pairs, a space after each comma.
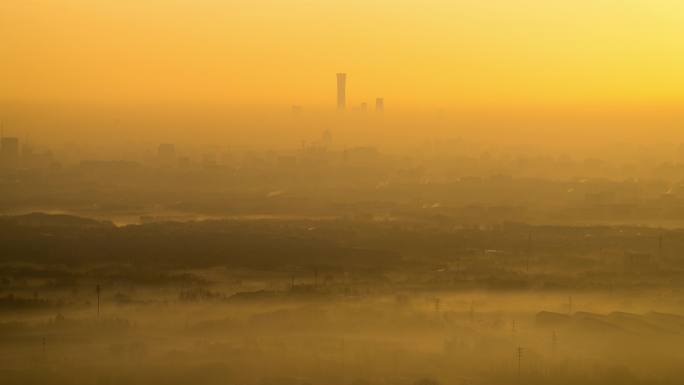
{"points": [[341, 91], [379, 105]]}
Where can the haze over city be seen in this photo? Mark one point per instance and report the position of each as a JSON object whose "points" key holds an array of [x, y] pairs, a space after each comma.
{"points": [[290, 192]]}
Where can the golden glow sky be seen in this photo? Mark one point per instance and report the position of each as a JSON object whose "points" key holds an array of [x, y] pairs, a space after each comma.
{"points": [[412, 52]]}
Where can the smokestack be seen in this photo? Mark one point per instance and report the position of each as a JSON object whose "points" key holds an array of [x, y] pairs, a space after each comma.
{"points": [[341, 91], [379, 105]]}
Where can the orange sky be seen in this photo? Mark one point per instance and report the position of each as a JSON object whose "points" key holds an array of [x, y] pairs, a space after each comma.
{"points": [[428, 53]]}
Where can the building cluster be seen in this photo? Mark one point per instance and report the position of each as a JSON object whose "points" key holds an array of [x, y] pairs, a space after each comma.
{"points": [[12, 155], [342, 96]]}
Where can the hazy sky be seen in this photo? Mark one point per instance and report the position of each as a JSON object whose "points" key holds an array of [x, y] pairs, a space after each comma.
{"points": [[618, 53]]}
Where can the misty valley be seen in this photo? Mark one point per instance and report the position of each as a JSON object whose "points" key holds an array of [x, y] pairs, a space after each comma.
{"points": [[361, 300]]}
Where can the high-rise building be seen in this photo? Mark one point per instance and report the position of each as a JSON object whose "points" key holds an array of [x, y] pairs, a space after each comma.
{"points": [[9, 150], [379, 104], [341, 91]]}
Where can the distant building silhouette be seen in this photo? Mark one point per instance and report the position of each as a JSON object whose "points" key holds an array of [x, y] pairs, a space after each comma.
{"points": [[9, 146], [379, 105], [166, 153], [9, 150], [360, 155], [364, 107], [101, 166], [327, 138], [32, 158], [341, 91]]}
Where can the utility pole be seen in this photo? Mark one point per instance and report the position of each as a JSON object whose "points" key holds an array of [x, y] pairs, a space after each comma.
{"points": [[97, 290], [660, 246], [570, 305], [529, 252], [520, 355]]}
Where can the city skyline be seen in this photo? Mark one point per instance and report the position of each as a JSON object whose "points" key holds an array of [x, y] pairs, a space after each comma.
{"points": [[298, 192], [442, 55]]}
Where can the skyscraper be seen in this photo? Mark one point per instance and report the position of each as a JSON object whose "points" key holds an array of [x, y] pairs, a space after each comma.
{"points": [[341, 91], [379, 104]]}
